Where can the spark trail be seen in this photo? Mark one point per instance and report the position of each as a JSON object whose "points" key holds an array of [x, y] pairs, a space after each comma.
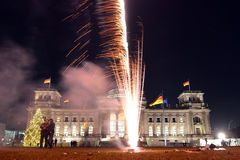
{"points": [[128, 69]]}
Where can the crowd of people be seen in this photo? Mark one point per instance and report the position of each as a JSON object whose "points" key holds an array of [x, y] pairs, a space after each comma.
{"points": [[47, 133]]}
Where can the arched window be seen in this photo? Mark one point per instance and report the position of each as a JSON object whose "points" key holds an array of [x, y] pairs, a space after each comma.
{"points": [[90, 130], [158, 130], [74, 130], [181, 130], [112, 125], [82, 131], [166, 130], [174, 131], [65, 131], [58, 119], [121, 125], [196, 120], [57, 130], [150, 131], [181, 120]]}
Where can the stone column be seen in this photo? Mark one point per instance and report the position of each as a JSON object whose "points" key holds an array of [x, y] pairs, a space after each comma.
{"points": [[208, 126], [187, 124], [97, 127], [204, 122], [191, 123], [177, 128], [145, 124], [162, 122], [170, 125]]}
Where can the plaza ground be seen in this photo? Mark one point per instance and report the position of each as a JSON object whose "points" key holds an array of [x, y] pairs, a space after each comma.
{"points": [[231, 153]]}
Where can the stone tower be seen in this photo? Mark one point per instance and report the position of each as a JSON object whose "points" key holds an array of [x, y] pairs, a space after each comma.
{"points": [[198, 112], [46, 99]]}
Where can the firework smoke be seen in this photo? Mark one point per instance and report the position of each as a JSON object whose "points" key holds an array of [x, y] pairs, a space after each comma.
{"points": [[86, 85], [15, 70]]}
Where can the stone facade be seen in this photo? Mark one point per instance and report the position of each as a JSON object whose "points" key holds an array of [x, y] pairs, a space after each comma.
{"points": [[186, 123]]}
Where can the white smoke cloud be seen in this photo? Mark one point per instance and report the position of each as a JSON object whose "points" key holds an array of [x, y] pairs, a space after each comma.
{"points": [[86, 85], [15, 70]]}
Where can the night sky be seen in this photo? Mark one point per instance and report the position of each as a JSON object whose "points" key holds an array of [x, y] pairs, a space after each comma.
{"points": [[196, 40]]}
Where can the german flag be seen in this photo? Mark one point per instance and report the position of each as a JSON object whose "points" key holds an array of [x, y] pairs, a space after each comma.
{"points": [[186, 84], [47, 81], [158, 101], [66, 101]]}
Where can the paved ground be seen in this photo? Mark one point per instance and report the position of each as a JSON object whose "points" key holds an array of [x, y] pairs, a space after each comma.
{"points": [[231, 153]]}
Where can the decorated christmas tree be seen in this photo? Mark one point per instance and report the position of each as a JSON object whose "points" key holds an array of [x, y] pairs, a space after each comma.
{"points": [[32, 134]]}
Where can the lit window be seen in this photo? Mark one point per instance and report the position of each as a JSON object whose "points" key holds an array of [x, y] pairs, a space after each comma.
{"points": [[74, 131], [181, 120], [112, 125], [121, 126], [57, 130], [65, 131], [182, 130], [158, 130], [150, 131], [121, 129], [174, 131], [82, 131], [112, 128], [58, 119], [90, 130], [166, 130]]}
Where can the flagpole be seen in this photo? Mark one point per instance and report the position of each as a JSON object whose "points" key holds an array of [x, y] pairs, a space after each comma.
{"points": [[189, 85], [164, 132], [49, 83], [165, 137]]}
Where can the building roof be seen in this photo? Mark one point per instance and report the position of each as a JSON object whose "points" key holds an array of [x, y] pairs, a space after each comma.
{"points": [[45, 89], [187, 91]]}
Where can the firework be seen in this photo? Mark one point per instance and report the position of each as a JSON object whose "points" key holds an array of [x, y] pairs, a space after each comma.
{"points": [[83, 39], [127, 69]]}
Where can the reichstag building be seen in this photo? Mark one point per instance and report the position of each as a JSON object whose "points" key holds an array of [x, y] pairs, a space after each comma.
{"points": [[184, 124]]}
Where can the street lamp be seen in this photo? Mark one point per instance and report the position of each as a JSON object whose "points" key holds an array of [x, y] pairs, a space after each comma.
{"points": [[221, 136]]}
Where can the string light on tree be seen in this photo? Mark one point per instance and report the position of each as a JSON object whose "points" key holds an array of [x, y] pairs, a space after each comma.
{"points": [[32, 134]]}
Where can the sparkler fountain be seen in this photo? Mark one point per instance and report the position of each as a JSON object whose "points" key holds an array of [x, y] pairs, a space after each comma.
{"points": [[127, 69]]}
